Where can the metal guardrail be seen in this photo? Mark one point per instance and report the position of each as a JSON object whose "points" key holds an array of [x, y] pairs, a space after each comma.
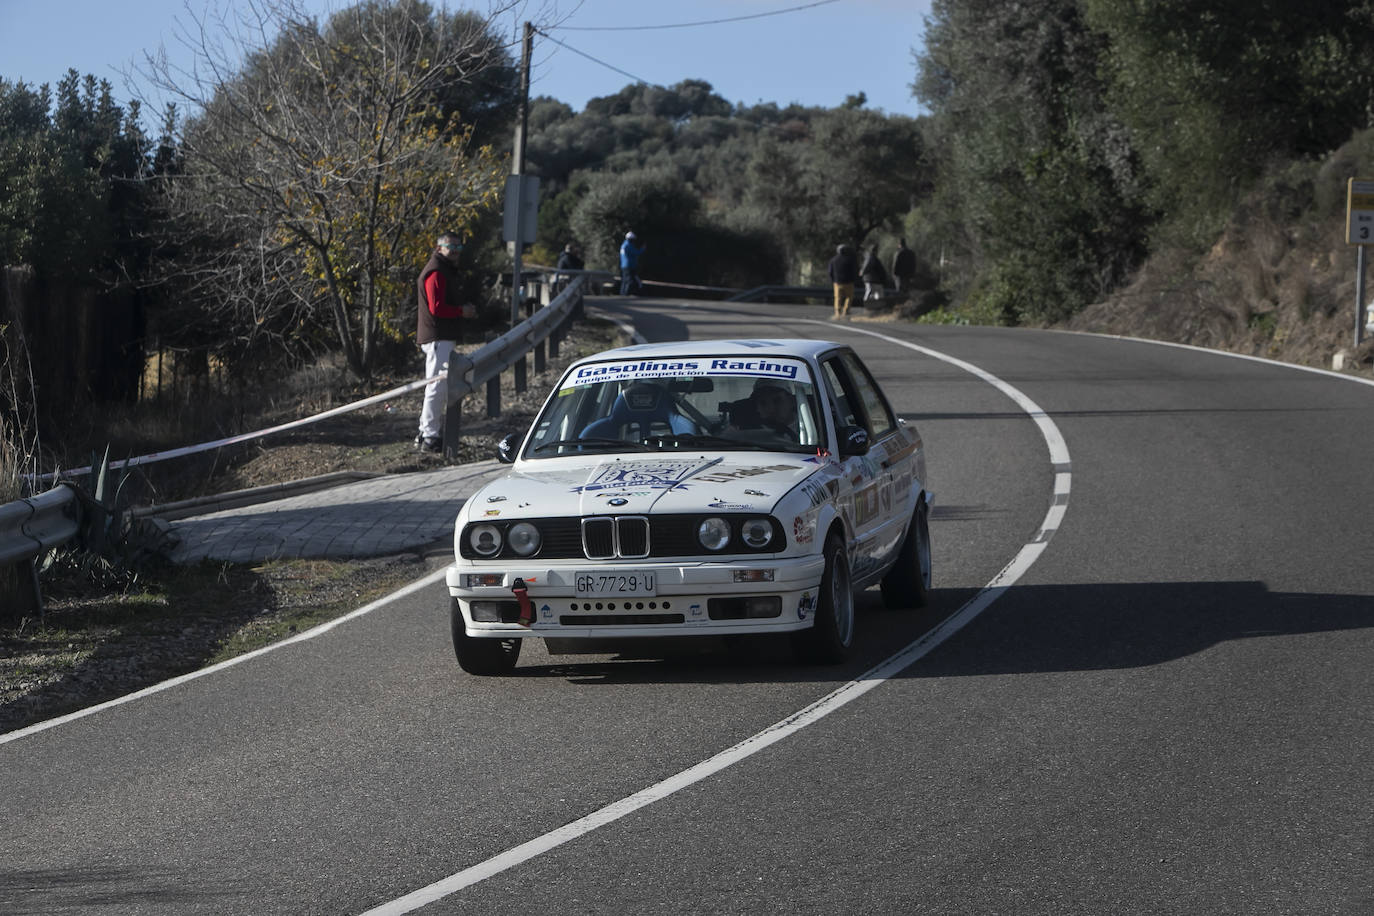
{"points": [[30, 526]]}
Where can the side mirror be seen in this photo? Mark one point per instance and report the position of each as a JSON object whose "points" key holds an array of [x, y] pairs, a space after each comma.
{"points": [[853, 441], [507, 447]]}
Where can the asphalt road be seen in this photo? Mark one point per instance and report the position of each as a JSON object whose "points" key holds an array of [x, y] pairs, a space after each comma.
{"points": [[1168, 711]]}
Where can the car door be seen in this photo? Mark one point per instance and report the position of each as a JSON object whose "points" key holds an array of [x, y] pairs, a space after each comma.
{"points": [[862, 478], [893, 449]]}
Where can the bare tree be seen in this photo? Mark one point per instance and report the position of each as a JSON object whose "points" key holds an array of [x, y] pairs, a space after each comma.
{"points": [[320, 159]]}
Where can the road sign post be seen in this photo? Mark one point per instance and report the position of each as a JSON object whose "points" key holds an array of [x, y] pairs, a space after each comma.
{"points": [[1359, 231]]}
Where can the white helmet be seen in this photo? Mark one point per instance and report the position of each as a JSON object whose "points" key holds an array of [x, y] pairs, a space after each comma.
{"points": [[631, 235]]}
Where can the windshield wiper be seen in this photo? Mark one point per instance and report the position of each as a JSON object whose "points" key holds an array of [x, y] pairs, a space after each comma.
{"points": [[593, 442]]}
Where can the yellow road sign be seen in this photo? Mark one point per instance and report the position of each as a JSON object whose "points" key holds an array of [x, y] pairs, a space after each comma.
{"points": [[1359, 212]]}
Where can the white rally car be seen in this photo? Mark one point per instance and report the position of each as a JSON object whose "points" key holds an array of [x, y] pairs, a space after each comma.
{"points": [[709, 487]]}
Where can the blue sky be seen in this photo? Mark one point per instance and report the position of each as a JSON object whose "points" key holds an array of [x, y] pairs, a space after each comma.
{"points": [[815, 56]]}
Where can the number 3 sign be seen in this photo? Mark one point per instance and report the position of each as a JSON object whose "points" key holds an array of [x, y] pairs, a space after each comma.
{"points": [[1359, 212]]}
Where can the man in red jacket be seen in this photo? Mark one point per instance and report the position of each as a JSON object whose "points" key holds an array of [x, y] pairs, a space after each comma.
{"points": [[438, 328]]}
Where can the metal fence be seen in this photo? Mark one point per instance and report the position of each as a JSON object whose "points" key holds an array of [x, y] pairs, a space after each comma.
{"points": [[30, 526]]}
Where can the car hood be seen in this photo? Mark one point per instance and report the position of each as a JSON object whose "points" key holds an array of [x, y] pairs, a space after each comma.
{"points": [[740, 482]]}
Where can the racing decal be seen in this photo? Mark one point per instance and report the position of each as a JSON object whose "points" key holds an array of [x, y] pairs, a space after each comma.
{"points": [[742, 473], [806, 605], [886, 494], [722, 504], [490, 512], [655, 475], [496, 499], [683, 368], [901, 453], [866, 504], [694, 610], [755, 493], [803, 530], [819, 492]]}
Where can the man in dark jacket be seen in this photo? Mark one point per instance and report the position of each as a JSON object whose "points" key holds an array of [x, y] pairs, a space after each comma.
{"points": [[875, 278], [439, 316], [903, 267], [569, 259], [843, 270]]}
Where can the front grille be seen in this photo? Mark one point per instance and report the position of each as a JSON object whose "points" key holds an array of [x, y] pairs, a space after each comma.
{"points": [[609, 537], [612, 537]]}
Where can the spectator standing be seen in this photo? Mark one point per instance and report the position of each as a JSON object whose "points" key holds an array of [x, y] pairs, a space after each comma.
{"points": [[570, 258], [875, 277], [903, 267], [439, 326], [844, 270], [630, 250]]}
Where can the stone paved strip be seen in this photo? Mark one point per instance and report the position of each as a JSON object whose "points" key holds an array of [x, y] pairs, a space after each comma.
{"points": [[376, 517]]}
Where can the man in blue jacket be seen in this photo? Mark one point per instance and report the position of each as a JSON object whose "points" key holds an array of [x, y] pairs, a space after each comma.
{"points": [[630, 250]]}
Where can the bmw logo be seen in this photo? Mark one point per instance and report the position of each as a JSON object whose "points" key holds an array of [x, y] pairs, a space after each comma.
{"points": [[618, 501]]}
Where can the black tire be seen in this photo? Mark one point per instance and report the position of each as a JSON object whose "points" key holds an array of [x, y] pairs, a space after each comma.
{"points": [[483, 657], [907, 583], [829, 640]]}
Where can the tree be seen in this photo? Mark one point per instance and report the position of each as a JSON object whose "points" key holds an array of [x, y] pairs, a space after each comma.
{"points": [[1038, 182], [1215, 92], [315, 175]]}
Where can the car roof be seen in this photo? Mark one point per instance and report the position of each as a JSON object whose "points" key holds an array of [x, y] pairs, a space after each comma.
{"points": [[800, 348]]}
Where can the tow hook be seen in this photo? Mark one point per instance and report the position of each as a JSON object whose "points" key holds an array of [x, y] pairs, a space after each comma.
{"points": [[522, 594]]}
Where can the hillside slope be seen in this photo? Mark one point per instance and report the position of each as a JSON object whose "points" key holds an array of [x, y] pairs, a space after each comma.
{"points": [[1278, 283]]}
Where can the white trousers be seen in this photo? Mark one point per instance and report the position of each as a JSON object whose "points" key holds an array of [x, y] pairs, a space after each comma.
{"points": [[436, 353]]}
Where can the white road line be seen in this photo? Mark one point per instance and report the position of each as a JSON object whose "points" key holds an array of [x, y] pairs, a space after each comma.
{"points": [[1331, 373], [320, 630], [1025, 557]]}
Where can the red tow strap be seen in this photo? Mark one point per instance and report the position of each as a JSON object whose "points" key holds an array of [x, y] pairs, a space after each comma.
{"points": [[522, 594]]}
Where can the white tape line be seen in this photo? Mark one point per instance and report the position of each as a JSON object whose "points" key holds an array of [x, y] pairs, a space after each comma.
{"points": [[893, 665], [423, 582], [245, 437]]}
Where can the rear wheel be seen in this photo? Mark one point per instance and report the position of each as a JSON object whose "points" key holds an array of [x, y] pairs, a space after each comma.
{"points": [[907, 583], [829, 640], [481, 656]]}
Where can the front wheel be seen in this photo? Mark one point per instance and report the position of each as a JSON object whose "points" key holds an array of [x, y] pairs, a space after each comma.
{"points": [[829, 640], [481, 656], [907, 583]]}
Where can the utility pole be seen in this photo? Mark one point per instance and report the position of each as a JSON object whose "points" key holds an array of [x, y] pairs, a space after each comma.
{"points": [[518, 170]]}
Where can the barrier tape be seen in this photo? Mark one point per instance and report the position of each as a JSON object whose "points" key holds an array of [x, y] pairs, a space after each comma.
{"points": [[491, 359]]}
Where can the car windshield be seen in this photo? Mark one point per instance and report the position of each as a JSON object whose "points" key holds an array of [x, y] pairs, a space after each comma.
{"points": [[715, 403]]}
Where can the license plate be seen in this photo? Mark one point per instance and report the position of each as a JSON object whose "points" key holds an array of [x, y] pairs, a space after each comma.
{"points": [[627, 583]]}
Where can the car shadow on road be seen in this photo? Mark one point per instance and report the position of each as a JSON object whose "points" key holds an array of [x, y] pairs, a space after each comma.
{"points": [[1029, 629], [1049, 628]]}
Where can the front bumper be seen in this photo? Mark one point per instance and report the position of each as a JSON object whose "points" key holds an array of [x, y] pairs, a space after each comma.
{"points": [[685, 597]]}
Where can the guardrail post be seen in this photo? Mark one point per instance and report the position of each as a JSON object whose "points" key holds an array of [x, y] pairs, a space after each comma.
{"points": [[519, 368], [539, 357], [37, 589], [494, 396]]}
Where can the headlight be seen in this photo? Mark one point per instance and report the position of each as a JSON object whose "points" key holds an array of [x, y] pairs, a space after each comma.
{"points": [[523, 538], [757, 532], [714, 533], [485, 540]]}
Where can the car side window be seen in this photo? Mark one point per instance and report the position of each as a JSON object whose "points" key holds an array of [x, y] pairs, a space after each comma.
{"points": [[836, 390], [880, 419]]}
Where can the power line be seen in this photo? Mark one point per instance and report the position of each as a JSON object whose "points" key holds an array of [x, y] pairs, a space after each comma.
{"points": [[684, 25], [597, 60]]}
